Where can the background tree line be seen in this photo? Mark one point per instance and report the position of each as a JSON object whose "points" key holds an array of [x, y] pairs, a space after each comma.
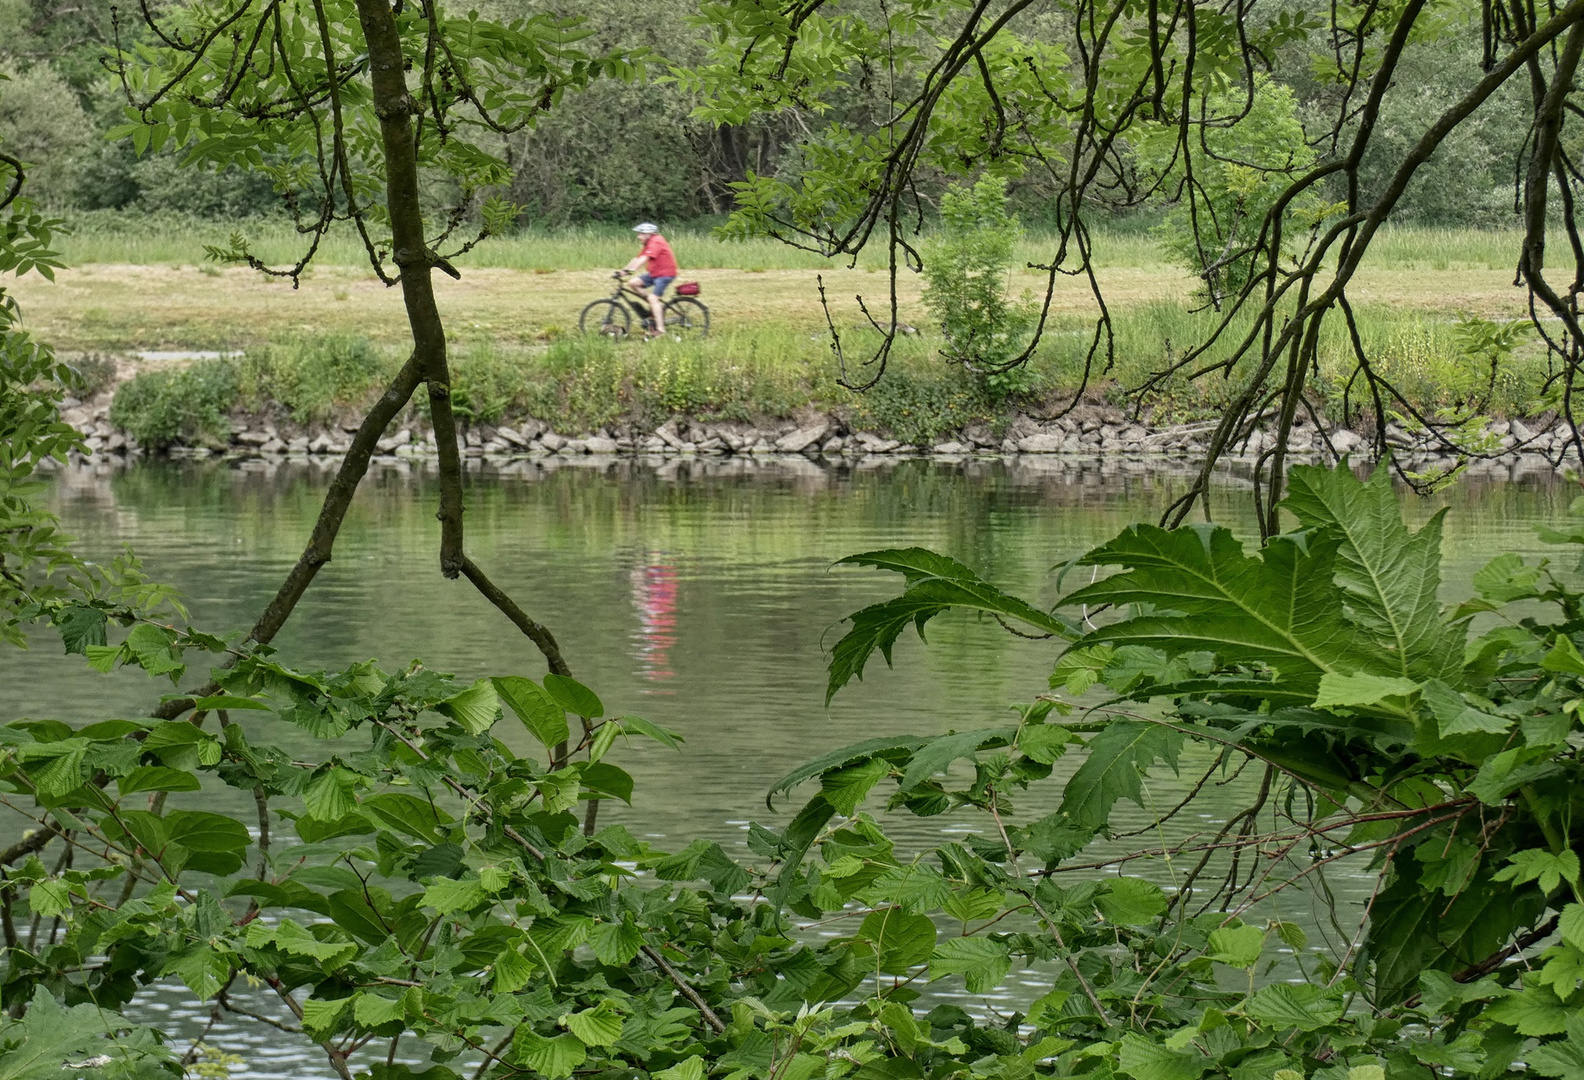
{"points": [[615, 150]]}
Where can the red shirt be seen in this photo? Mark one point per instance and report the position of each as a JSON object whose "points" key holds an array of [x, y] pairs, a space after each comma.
{"points": [[662, 263]]}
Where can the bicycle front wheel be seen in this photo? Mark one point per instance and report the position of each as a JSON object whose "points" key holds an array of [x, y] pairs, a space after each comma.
{"points": [[686, 317], [607, 318]]}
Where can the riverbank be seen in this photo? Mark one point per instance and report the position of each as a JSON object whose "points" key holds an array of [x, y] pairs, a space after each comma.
{"points": [[1090, 431]]}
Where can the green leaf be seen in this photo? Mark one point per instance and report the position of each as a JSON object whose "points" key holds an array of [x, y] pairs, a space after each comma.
{"points": [[157, 778], [1145, 1060], [981, 962], [371, 1010], [154, 648], [80, 626], [846, 788], [1305, 1006], [321, 1018], [1390, 576], [541, 715], [511, 972], [1564, 657], [554, 1059], [1571, 923], [934, 584], [603, 778], [228, 701], [637, 725], [448, 896], [574, 697], [1351, 691], [49, 1036], [1504, 773], [49, 897], [1236, 946], [1045, 743], [1535, 1011], [1506, 578], [409, 814], [1539, 865], [1455, 716], [199, 830], [1563, 1059], [894, 745], [901, 941], [1114, 769], [331, 795], [1279, 610], [475, 708], [691, 1068], [615, 943], [599, 1026], [295, 940], [1130, 901], [936, 755]]}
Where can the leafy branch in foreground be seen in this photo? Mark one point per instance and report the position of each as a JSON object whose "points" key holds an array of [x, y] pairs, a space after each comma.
{"points": [[1435, 749]]}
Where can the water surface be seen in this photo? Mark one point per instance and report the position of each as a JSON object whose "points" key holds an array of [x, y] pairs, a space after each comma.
{"points": [[697, 593]]}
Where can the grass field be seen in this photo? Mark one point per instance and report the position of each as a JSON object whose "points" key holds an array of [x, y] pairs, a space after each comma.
{"points": [[145, 286], [138, 288]]}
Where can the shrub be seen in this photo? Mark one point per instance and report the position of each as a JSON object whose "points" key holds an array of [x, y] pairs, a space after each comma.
{"points": [[965, 267], [97, 373], [919, 407], [311, 376], [159, 408], [485, 384]]}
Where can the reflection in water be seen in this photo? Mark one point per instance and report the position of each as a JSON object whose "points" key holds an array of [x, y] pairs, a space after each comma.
{"points": [[738, 670], [654, 584]]}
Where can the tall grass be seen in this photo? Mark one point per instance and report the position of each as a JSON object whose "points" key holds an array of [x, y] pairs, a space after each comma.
{"points": [[109, 237], [1421, 355]]}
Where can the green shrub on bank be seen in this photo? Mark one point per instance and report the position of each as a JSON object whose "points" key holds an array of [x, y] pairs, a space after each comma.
{"points": [[312, 377], [922, 407], [186, 405]]}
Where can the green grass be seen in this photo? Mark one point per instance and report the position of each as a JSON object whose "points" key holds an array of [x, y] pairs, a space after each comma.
{"points": [[109, 237], [1419, 353]]}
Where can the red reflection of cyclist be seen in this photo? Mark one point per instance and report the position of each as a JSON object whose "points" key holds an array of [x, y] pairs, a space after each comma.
{"points": [[655, 594], [659, 270]]}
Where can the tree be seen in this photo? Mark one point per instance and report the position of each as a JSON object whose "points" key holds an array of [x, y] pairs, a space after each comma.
{"points": [[1175, 79]]}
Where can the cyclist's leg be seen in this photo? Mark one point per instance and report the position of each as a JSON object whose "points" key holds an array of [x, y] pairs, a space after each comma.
{"points": [[657, 288]]}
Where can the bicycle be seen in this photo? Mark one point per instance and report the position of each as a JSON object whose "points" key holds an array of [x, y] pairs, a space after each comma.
{"points": [[612, 317]]}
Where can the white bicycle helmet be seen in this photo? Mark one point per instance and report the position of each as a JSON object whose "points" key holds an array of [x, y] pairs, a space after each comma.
{"points": [[647, 228]]}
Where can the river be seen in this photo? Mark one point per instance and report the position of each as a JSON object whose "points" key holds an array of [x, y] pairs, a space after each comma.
{"points": [[698, 593]]}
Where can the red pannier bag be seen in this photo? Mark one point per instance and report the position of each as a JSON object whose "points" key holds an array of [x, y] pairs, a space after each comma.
{"points": [[688, 288]]}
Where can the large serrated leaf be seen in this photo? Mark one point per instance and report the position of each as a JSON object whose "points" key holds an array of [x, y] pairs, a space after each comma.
{"points": [[1278, 609], [934, 583], [1390, 575], [1118, 757]]}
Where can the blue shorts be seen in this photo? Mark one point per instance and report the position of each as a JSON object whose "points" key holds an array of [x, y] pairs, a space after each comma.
{"points": [[656, 285]]}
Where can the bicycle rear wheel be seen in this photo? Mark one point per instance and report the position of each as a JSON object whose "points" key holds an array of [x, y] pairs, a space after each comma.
{"points": [[686, 317], [607, 318]]}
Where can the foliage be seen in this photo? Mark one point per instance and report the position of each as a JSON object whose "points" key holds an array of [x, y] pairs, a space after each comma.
{"points": [[966, 266], [1215, 216], [921, 407], [1385, 726], [311, 376], [43, 122], [164, 406]]}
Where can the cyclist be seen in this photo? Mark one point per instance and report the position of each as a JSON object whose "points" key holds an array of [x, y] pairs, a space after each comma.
{"points": [[659, 270]]}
